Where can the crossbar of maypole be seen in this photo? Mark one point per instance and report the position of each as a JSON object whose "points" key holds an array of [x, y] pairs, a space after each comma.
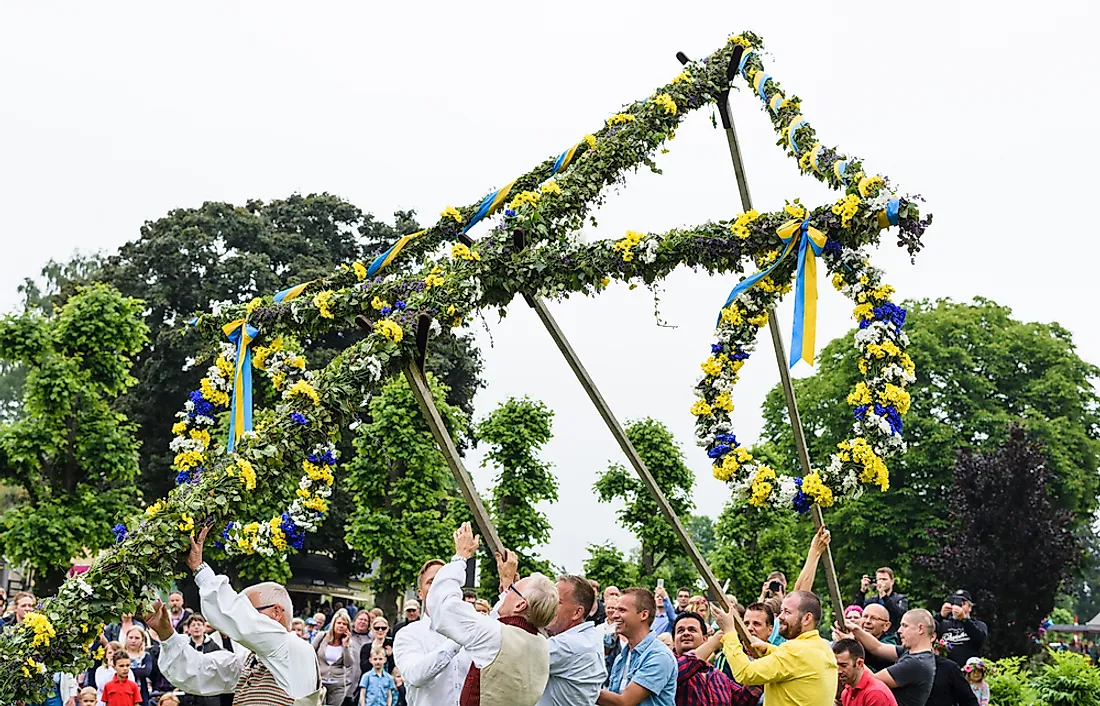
{"points": [[773, 328]]}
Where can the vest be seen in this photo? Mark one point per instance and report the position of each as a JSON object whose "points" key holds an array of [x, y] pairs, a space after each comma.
{"points": [[518, 674], [257, 687]]}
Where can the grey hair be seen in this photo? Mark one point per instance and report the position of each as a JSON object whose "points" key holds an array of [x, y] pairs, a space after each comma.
{"points": [[271, 593], [541, 595]]}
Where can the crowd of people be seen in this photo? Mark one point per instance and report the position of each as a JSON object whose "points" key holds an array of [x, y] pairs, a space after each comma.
{"points": [[544, 643]]}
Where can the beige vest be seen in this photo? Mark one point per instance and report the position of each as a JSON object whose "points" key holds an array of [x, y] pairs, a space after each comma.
{"points": [[257, 687], [518, 675]]}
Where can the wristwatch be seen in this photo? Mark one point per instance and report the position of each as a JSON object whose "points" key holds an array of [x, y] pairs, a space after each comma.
{"points": [[199, 568]]}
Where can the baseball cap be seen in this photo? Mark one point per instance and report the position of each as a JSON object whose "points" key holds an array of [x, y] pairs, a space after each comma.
{"points": [[310, 621], [962, 596], [412, 604]]}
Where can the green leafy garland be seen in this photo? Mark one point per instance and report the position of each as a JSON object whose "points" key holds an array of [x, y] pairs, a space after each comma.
{"points": [[544, 213]]}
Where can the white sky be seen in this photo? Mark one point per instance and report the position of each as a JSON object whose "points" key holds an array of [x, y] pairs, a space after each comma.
{"points": [[113, 113]]}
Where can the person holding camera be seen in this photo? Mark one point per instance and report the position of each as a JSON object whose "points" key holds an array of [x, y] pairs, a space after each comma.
{"points": [[965, 636], [896, 604]]}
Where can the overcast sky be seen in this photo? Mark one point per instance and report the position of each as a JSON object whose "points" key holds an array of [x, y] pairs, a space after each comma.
{"points": [[113, 113]]}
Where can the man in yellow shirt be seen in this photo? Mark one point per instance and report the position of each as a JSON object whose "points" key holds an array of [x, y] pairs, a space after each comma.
{"points": [[801, 671]]}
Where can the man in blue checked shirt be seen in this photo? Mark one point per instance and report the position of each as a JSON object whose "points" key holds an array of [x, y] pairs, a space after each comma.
{"points": [[644, 673]]}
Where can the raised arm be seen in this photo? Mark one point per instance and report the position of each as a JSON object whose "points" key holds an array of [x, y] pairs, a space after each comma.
{"points": [[870, 643], [196, 673], [818, 545]]}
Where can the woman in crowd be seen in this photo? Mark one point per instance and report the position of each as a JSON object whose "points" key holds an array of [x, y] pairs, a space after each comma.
{"points": [[141, 662], [380, 628], [334, 660]]}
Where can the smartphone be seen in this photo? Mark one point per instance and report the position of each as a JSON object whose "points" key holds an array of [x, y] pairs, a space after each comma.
{"points": [[660, 583]]}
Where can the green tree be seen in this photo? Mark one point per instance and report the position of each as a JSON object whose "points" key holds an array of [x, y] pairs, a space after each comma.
{"points": [[405, 504], [753, 542], [72, 455], [640, 514], [606, 564], [978, 371], [515, 431]]}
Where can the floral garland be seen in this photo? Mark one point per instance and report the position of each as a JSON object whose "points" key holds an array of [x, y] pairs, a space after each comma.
{"points": [[446, 290]]}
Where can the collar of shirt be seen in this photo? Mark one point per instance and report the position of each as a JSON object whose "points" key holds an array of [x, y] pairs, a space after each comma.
{"points": [[864, 681]]}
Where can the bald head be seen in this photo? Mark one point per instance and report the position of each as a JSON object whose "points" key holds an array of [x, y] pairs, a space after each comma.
{"points": [[875, 620]]}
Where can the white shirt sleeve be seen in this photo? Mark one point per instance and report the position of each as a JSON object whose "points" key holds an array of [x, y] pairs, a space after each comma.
{"points": [[418, 664], [479, 635], [201, 674], [289, 658]]}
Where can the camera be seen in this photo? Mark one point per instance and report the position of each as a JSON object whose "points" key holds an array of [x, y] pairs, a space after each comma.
{"points": [[955, 600], [775, 586]]}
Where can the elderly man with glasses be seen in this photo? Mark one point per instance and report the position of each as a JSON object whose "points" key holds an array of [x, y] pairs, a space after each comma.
{"points": [[275, 666]]}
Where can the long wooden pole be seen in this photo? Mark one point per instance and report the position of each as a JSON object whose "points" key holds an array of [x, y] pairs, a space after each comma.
{"points": [[777, 339]]}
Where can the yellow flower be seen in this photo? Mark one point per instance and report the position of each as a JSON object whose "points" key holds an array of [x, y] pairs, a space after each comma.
{"points": [[740, 226], [378, 304], [461, 252], [253, 305], [820, 493], [846, 207], [154, 509], [762, 486], [433, 280], [211, 395], [906, 364], [323, 302], [886, 349], [683, 76], [620, 119], [317, 472], [304, 389], [451, 212], [360, 271], [868, 183], [882, 293], [604, 281], [278, 537], [861, 395], [179, 427], [525, 197], [302, 492], [278, 379], [41, 626], [550, 187], [863, 365], [626, 245], [390, 330], [590, 140], [760, 319], [740, 39], [99, 653], [838, 281], [794, 210], [723, 401], [732, 315], [201, 435], [712, 366], [187, 523], [260, 354], [225, 367], [894, 395], [701, 409], [316, 503], [277, 344], [665, 103], [186, 460], [248, 474], [297, 362], [864, 311]]}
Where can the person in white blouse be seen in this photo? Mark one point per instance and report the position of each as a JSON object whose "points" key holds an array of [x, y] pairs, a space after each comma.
{"points": [[510, 658], [577, 669], [270, 665], [433, 667]]}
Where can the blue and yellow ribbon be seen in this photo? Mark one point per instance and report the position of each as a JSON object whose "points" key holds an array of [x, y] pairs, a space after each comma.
{"points": [[744, 62], [889, 216], [839, 167], [797, 124], [292, 292], [491, 204], [775, 102], [759, 82], [564, 160], [387, 257], [242, 334], [811, 243]]}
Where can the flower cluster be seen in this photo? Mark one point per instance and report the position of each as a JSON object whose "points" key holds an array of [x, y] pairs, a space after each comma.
{"points": [[191, 434], [305, 513]]}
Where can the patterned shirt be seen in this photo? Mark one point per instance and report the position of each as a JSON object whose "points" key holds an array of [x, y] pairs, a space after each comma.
{"points": [[700, 684]]}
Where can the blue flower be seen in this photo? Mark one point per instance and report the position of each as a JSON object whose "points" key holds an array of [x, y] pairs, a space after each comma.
{"points": [[299, 418], [890, 313], [202, 407], [400, 306], [727, 439], [892, 416], [738, 354], [183, 477], [860, 412], [801, 501], [509, 212], [716, 348], [295, 535], [386, 311], [832, 247], [120, 532], [719, 451]]}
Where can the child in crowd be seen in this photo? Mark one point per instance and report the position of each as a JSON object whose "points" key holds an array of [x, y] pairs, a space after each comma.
{"points": [[105, 672], [399, 688], [87, 696], [975, 674], [169, 699], [121, 690], [376, 687]]}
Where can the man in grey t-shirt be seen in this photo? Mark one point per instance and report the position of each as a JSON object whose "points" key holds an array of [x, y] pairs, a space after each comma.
{"points": [[913, 670]]}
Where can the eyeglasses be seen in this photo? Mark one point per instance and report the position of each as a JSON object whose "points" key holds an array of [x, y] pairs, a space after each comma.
{"points": [[875, 617], [382, 627], [262, 608], [516, 591]]}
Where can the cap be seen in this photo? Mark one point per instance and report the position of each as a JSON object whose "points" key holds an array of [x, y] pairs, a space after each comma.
{"points": [[964, 595], [412, 604], [310, 621], [974, 663]]}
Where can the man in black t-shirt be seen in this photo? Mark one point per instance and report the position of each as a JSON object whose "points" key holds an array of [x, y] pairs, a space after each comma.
{"points": [[965, 637], [913, 671]]}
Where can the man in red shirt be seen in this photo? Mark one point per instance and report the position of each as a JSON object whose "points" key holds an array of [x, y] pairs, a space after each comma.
{"points": [[120, 691], [860, 686]]}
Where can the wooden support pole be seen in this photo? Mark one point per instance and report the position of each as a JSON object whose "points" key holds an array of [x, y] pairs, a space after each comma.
{"points": [[773, 328]]}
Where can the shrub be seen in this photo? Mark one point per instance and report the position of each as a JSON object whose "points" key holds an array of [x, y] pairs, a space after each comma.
{"points": [[1068, 680]]}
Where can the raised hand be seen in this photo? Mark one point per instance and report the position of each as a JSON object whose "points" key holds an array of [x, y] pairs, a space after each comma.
{"points": [[466, 542], [194, 555]]}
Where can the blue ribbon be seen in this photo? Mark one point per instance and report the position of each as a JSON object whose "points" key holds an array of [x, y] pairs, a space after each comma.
{"points": [[744, 61], [892, 207], [240, 417]]}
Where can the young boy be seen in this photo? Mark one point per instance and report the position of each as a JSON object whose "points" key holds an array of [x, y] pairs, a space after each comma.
{"points": [[121, 691], [169, 699], [88, 696], [376, 687]]}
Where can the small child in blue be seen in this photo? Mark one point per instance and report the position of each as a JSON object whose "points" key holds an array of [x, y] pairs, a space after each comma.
{"points": [[376, 686]]}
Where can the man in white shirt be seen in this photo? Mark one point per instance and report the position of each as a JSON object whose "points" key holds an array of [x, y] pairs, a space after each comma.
{"points": [[577, 669], [275, 666], [510, 658], [432, 666]]}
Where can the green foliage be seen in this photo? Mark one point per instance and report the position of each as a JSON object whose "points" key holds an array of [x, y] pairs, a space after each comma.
{"points": [[978, 370], [401, 488], [1061, 616], [753, 542], [1008, 682], [606, 564], [641, 515], [1069, 679], [71, 454], [515, 431]]}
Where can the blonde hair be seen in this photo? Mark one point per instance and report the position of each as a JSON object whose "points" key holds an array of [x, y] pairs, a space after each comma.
{"points": [[88, 691], [338, 615], [541, 595], [170, 695]]}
